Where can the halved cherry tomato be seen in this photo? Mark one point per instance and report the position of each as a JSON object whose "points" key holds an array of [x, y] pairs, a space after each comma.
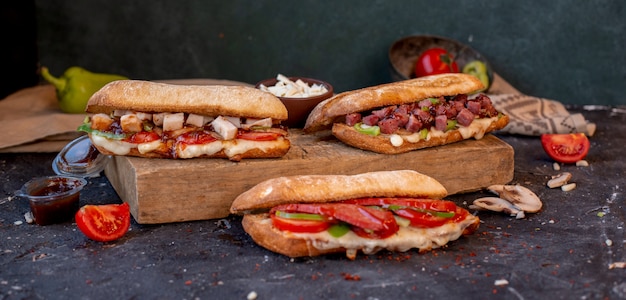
{"points": [[435, 61], [104, 223], [196, 137], [257, 135], [299, 225], [143, 137], [566, 148]]}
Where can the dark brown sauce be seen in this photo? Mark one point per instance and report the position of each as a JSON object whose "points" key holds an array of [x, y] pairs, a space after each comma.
{"points": [[56, 209]]}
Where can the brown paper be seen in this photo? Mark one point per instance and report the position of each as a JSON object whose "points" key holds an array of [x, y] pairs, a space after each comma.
{"points": [[33, 122]]}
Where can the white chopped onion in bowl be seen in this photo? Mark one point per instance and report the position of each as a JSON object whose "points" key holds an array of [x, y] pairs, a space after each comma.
{"points": [[293, 89]]}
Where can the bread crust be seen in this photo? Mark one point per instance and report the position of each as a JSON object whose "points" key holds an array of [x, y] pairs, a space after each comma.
{"points": [[382, 144], [208, 100], [396, 93], [328, 188], [260, 229]]}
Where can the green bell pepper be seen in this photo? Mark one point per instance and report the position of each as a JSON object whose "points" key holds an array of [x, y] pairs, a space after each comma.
{"points": [[76, 85]]}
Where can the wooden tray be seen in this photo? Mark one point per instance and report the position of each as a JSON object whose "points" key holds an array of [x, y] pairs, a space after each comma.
{"points": [[165, 191]]}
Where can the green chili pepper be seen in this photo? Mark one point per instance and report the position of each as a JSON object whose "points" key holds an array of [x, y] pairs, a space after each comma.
{"points": [[479, 69], [370, 130], [76, 85], [434, 100]]}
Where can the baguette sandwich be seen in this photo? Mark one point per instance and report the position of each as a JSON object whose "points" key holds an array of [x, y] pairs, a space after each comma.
{"points": [[311, 215], [158, 120], [408, 115]]}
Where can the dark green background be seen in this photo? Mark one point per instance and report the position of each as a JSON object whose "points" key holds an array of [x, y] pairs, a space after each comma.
{"points": [[572, 51]]}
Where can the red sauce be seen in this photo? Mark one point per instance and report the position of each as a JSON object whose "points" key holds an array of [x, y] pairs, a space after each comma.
{"points": [[60, 206]]}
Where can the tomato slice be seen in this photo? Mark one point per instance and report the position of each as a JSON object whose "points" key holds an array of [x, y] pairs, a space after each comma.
{"points": [[257, 135], [143, 137], [298, 225], [104, 223], [567, 147]]}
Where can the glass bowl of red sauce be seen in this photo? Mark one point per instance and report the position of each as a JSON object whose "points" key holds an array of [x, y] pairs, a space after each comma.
{"points": [[53, 199]]}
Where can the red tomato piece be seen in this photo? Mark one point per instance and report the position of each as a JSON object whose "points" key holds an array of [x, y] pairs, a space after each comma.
{"points": [[104, 223], [295, 225], [196, 138], [435, 61], [566, 148], [257, 135], [143, 137]]}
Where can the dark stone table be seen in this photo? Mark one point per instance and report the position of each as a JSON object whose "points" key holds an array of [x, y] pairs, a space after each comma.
{"points": [[563, 252]]}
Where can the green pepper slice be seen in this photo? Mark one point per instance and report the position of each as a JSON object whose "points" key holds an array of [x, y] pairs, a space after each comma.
{"points": [[369, 130], [300, 216], [338, 230], [478, 69]]}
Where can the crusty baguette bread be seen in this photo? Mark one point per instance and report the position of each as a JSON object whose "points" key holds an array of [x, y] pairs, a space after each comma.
{"points": [[328, 188], [328, 111], [208, 100], [382, 143], [256, 202]]}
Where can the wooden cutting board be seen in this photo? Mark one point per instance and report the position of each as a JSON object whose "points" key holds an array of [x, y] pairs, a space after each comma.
{"points": [[165, 191]]}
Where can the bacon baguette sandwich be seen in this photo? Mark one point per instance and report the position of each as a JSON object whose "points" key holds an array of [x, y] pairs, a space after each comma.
{"points": [[310, 215], [408, 115], [158, 120]]}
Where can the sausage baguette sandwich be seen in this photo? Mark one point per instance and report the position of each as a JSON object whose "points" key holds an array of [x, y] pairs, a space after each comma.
{"points": [[408, 115], [310, 215], [158, 120]]}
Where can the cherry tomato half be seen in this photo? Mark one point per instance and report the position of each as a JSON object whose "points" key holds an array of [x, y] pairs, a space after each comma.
{"points": [[298, 225], [435, 61], [143, 137], [104, 223], [567, 147]]}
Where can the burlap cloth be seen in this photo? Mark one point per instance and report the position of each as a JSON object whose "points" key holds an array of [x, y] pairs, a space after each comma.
{"points": [[31, 120]]}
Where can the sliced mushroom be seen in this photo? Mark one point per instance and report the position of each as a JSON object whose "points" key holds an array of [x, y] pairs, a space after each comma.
{"points": [[559, 180], [496, 204], [521, 197]]}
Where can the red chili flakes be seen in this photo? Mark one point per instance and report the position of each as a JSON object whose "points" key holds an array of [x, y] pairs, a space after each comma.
{"points": [[350, 277]]}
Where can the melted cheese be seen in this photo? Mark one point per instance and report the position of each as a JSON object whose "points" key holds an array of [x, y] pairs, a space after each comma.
{"points": [[477, 130], [405, 239], [230, 147], [115, 146], [144, 148]]}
